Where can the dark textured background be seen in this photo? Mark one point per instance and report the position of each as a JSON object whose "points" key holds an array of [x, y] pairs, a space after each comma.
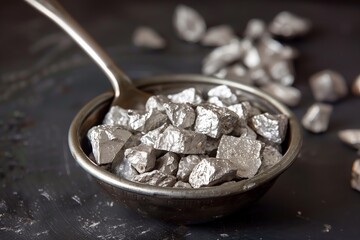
{"points": [[45, 79]]}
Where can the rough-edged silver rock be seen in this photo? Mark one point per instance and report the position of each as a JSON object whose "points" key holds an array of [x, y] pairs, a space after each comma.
{"points": [[189, 95], [218, 36], [155, 178], [186, 165], [286, 94], [148, 38], [181, 115], [123, 168], [181, 184], [270, 156], [317, 117], [168, 163], [117, 116], [145, 122], [189, 24], [211, 171], [288, 25], [150, 137], [141, 157], [282, 71], [156, 102], [179, 140], [214, 120], [350, 137], [107, 142], [244, 131], [244, 152], [224, 93], [328, 85], [272, 127]]}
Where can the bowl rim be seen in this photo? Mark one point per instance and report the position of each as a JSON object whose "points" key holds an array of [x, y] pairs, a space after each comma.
{"points": [[295, 142]]}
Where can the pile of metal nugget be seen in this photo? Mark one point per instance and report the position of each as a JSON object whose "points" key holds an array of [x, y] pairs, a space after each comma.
{"points": [[190, 139]]}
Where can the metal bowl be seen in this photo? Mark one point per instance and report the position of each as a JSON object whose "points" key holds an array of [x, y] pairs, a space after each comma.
{"points": [[184, 206]]}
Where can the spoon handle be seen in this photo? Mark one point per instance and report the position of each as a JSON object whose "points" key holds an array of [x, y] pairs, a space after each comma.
{"points": [[53, 10]]}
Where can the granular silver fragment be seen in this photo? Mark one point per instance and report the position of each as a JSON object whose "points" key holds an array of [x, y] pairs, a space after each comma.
{"points": [[224, 93], [255, 29], [355, 175], [244, 110], [218, 36], [122, 168], [150, 137], [282, 71], [217, 101], [272, 127], [286, 94], [141, 157], [117, 116], [270, 156], [156, 102], [181, 184], [350, 137], [190, 95], [186, 165], [179, 140], [133, 141], [155, 178], [181, 115], [214, 121], [271, 49], [211, 171], [355, 88], [168, 163], [328, 85], [244, 152], [145, 122], [288, 25], [107, 142], [188, 23], [317, 117], [148, 38], [244, 131]]}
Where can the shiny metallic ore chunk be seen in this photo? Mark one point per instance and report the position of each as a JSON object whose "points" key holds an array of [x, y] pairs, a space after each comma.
{"points": [[214, 121], [328, 85], [244, 152], [356, 86], [355, 175], [123, 168], [117, 116], [107, 142], [288, 25], [168, 163], [150, 137], [218, 36], [272, 127], [141, 157], [211, 171], [186, 165], [190, 95], [224, 93], [270, 157], [145, 122], [350, 137], [181, 184], [255, 28], [282, 71], [188, 23], [286, 94], [181, 115], [155, 178], [317, 117], [147, 38], [179, 140], [156, 102]]}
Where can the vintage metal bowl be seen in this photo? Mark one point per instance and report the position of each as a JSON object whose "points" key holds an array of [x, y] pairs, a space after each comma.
{"points": [[175, 204]]}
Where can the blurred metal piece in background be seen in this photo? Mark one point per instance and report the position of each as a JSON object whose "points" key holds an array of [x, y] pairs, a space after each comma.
{"points": [[288, 25], [350, 137], [317, 117], [355, 175], [286, 94], [218, 35], [148, 38], [255, 29], [356, 86]]}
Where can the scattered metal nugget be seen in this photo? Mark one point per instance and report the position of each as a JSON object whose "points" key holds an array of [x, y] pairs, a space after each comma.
{"points": [[188, 23], [145, 122], [328, 85], [217, 101], [181, 115], [189, 95], [214, 121], [272, 127], [224, 93], [252, 58], [168, 163], [270, 156], [236, 72], [107, 142], [259, 76], [288, 25], [244, 110], [122, 168], [211, 171], [179, 140], [117, 116], [156, 102], [282, 71], [222, 56], [355, 175], [150, 137], [186, 165], [286, 94], [155, 178], [317, 117], [181, 184], [350, 137], [218, 36], [148, 38], [244, 152], [255, 29], [356, 86], [141, 157], [272, 49]]}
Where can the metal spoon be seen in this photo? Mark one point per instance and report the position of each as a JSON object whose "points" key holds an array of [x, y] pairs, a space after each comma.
{"points": [[126, 94]]}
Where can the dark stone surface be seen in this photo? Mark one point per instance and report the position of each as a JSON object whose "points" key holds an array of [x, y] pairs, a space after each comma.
{"points": [[45, 79]]}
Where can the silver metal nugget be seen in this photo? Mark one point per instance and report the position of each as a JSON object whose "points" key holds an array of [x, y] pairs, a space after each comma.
{"points": [[272, 127], [218, 36], [181, 184], [107, 142], [186, 165], [150, 137], [117, 116], [288, 25], [350, 137], [168, 163], [145, 122], [286, 94], [148, 38], [282, 71], [270, 156], [224, 93], [317, 117], [189, 95], [255, 29], [180, 115], [155, 178], [141, 157], [156, 102]]}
